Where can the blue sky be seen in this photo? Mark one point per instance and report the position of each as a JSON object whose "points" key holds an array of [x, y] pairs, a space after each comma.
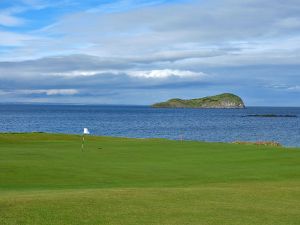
{"points": [[140, 52]]}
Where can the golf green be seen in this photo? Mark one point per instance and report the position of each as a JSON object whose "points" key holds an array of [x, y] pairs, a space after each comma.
{"points": [[46, 179]]}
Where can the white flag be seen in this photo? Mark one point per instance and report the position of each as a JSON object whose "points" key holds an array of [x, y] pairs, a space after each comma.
{"points": [[86, 131]]}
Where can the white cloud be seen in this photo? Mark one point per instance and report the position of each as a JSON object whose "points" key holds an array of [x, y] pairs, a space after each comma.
{"points": [[3, 92], [291, 88], [294, 88], [165, 73], [155, 74], [290, 23], [195, 28], [9, 20], [161, 47], [50, 91], [14, 39], [77, 73]]}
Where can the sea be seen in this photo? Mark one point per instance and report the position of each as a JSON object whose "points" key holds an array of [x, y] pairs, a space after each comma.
{"points": [[211, 125]]}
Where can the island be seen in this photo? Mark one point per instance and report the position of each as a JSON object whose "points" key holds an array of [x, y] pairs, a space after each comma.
{"points": [[224, 101]]}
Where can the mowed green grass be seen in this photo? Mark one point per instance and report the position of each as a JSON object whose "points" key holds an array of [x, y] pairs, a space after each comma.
{"points": [[45, 179]]}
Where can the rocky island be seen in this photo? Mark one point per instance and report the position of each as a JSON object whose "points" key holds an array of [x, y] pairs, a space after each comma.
{"points": [[225, 100]]}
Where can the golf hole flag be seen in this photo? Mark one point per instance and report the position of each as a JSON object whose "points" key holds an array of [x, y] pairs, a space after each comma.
{"points": [[86, 131]]}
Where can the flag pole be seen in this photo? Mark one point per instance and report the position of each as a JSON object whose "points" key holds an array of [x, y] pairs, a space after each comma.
{"points": [[82, 143], [85, 131]]}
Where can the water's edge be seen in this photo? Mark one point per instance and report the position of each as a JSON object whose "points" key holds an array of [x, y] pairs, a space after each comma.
{"points": [[210, 125]]}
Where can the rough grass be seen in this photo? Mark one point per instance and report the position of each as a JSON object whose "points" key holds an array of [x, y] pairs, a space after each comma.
{"points": [[46, 179]]}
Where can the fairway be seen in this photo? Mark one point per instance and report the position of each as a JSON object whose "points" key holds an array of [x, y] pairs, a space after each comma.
{"points": [[45, 179]]}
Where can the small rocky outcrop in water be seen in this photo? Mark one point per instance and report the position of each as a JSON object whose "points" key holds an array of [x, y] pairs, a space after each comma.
{"points": [[226, 101], [269, 115]]}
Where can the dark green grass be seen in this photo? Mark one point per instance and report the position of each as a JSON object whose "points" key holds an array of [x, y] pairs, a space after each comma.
{"points": [[46, 179]]}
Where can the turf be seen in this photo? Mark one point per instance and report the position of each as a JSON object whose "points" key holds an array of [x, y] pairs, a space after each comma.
{"points": [[47, 179]]}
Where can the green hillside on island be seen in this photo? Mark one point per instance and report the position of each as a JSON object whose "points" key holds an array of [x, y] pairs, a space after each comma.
{"points": [[46, 179], [226, 100]]}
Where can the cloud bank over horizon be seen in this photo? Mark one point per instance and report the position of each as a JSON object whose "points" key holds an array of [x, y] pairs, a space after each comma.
{"points": [[140, 52]]}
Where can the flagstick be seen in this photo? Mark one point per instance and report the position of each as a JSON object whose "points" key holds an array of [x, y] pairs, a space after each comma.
{"points": [[85, 131], [82, 143]]}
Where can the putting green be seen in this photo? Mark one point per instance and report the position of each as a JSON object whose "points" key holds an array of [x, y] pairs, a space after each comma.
{"points": [[46, 179]]}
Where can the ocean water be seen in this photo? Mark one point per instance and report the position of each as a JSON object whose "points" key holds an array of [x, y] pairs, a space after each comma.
{"points": [[213, 125]]}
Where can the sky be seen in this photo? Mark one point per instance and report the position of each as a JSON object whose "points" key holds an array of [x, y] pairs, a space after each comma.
{"points": [[138, 52]]}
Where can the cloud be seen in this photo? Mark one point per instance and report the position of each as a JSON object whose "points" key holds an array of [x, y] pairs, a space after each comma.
{"points": [[164, 73], [123, 5], [121, 81], [90, 79], [290, 23], [86, 65], [14, 39], [212, 30], [169, 49], [78, 69], [292, 88], [189, 22], [151, 74], [209, 32], [50, 92], [7, 19]]}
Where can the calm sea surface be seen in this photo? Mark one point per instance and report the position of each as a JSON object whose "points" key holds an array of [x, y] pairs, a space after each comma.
{"points": [[216, 125]]}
